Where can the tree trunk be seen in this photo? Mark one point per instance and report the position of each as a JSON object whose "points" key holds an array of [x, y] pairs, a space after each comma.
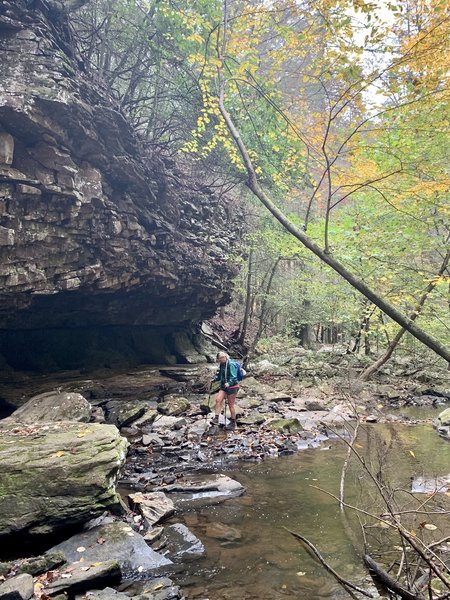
{"points": [[248, 299], [324, 256], [373, 368]]}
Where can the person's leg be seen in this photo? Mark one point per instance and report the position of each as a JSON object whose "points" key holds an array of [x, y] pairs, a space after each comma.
{"points": [[219, 400], [231, 403]]}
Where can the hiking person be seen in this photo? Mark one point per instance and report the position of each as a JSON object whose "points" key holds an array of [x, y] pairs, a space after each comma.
{"points": [[227, 375]]}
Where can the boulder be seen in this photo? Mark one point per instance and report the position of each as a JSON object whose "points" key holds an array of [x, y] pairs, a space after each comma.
{"points": [[55, 476], [442, 423], [291, 425], [19, 587], [180, 544], [53, 406], [443, 418], [154, 506], [122, 413], [114, 541], [164, 423], [173, 406]]}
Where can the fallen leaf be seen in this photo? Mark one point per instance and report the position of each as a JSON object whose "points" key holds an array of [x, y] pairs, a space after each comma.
{"points": [[301, 573], [412, 453], [96, 564], [58, 454]]}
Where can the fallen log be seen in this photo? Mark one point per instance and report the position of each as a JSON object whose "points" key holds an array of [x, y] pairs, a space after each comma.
{"points": [[388, 581]]}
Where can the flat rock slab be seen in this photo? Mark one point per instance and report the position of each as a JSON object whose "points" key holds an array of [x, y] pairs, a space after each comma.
{"points": [[116, 541], [159, 588], [164, 422], [202, 490], [81, 576], [180, 544], [56, 475]]}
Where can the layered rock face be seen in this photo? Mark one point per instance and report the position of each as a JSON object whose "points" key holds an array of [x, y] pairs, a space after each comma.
{"points": [[103, 251]]}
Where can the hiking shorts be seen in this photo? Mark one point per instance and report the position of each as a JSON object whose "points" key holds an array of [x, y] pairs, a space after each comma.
{"points": [[230, 391]]}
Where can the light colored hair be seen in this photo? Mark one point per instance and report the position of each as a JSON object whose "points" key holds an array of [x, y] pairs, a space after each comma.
{"points": [[222, 354]]}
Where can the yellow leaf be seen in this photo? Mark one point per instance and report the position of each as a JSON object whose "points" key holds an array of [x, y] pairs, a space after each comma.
{"points": [[58, 454], [412, 453]]}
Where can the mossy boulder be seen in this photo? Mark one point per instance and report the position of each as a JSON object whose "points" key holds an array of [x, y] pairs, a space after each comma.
{"points": [[173, 406], [443, 418], [54, 476], [285, 425], [53, 406]]}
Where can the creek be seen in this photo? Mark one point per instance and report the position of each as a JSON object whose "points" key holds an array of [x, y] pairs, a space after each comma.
{"points": [[249, 553]]}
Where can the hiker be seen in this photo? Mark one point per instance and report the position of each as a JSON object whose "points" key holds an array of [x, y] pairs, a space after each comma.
{"points": [[227, 374]]}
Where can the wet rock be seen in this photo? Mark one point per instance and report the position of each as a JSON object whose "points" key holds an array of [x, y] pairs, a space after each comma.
{"points": [[122, 414], [443, 418], [276, 397], [36, 565], [179, 543], [314, 405], [59, 475], [20, 587], [249, 403], [53, 406], [116, 541], [173, 406], [105, 594], [81, 576], [147, 418], [183, 374], [152, 439], [159, 588], [252, 419], [442, 423], [202, 490], [153, 506], [220, 531], [153, 535], [291, 425], [164, 422]]}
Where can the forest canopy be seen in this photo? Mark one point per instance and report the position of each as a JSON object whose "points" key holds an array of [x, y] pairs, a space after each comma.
{"points": [[331, 114]]}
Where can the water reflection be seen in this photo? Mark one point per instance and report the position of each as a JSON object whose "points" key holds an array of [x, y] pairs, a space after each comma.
{"points": [[249, 553]]}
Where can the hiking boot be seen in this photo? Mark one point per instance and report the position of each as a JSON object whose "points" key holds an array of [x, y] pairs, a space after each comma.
{"points": [[215, 420], [232, 424]]}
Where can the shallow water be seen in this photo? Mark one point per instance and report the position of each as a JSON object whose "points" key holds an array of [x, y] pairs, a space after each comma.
{"points": [[249, 553]]}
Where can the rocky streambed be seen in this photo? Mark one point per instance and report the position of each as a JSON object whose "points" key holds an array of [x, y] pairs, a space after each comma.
{"points": [[91, 473]]}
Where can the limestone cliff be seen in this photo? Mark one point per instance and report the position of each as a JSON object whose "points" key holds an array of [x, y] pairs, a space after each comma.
{"points": [[104, 251]]}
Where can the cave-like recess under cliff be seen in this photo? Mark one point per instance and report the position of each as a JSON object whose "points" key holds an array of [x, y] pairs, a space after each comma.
{"points": [[107, 256]]}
